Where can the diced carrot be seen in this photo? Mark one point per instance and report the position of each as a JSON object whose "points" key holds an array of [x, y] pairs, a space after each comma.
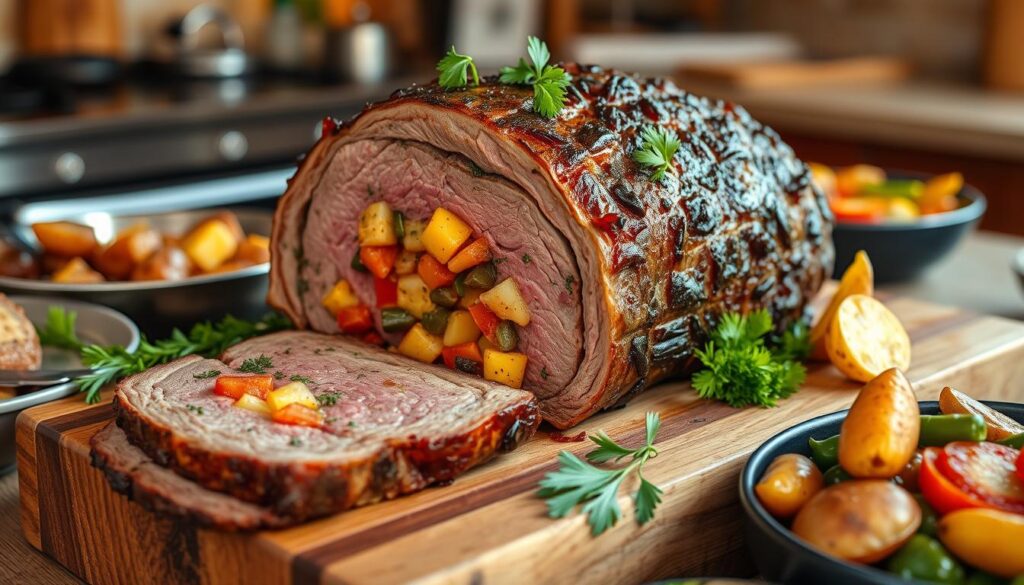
{"points": [[859, 209], [378, 259], [485, 320], [433, 273], [476, 253], [355, 319], [468, 350], [235, 386], [386, 291], [297, 414]]}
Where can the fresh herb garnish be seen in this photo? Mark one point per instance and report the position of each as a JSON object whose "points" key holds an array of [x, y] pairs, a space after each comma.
{"points": [[111, 363], [352, 423], [597, 489], [299, 378], [569, 280], [544, 373], [548, 81], [328, 399], [258, 365], [453, 68], [527, 259], [279, 375], [206, 375], [658, 147], [194, 408], [59, 329], [295, 442], [742, 370]]}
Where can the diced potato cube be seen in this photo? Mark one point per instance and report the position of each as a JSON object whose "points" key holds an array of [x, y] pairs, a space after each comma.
{"points": [[77, 271], [229, 218], [505, 368], [254, 248], [506, 302], [340, 297], [377, 226], [292, 393], [470, 298], [210, 244], [406, 262], [65, 238], [413, 239], [131, 247], [461, 328], [250, 402], [414, 296], [445, 234], [421, 345]]}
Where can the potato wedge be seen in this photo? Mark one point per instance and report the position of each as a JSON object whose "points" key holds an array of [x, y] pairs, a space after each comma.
{"points": [[880, 433], [131, 246], [168, 263], [228, 218], [211, 244], [858, 279], [999, 425], [254, 249], [866, 339], [77, 271], [65, 238]]}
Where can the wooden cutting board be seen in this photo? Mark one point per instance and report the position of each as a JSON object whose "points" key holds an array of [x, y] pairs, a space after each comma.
{"points": [[487, 527]]}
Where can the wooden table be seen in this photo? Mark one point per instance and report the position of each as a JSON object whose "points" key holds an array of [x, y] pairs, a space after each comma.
{"points": [[976, 277]]}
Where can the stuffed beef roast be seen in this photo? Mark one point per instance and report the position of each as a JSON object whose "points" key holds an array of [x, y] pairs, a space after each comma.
{"points": [[463, 228]]}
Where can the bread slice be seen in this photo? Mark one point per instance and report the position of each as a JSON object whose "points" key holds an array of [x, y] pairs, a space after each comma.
{"points": [[19, 344]]}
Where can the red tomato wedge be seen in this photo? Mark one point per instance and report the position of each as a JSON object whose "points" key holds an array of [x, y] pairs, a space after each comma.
{"points": [[985, 470], [386, 292], [469, 350], [297, 414], [235, 386], [941, 493], [486, 321], [355, 319], [378, 259], [433, 273]]}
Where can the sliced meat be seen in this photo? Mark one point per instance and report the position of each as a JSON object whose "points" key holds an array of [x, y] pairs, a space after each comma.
{"points": [[19, 343], [390, 429], [636, 272]]}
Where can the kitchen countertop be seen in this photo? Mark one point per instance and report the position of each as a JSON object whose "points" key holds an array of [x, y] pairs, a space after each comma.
{"points": [[977, 276], [927, 115]]}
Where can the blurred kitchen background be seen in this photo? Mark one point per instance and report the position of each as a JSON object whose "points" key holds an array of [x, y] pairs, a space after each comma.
{"points": [[154, 105]]}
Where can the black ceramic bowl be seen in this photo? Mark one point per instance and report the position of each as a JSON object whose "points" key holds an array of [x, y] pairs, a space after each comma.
{"points": [[778, 554], [902, 251]]}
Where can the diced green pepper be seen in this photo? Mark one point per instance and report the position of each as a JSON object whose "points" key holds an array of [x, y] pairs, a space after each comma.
{"points": [[939, 429], [460, 284], [836, 474], [444, 296], [910, 188], [435, 321], [394, 319], [1015, 441], [505, 336], [357, 264], [483, 276], [924, 558], [825, 452], [399, 224]]}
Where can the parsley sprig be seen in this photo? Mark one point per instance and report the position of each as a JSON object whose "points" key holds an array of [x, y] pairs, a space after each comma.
{"points": [[454, 69], [741, 368], [111, 363], [656, 151], [548, 81], [578, 482]]}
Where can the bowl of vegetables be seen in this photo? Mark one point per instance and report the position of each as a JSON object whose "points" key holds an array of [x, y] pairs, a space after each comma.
{"points": [[891, 490], [906, 221]]}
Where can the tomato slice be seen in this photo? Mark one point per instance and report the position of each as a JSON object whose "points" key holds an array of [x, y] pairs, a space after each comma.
{"points": [[986, 471], [941, 493]]}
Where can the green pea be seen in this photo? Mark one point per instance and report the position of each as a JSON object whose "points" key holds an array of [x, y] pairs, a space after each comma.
{"points": [[924, 558], [825, 452], [483, 276], [836, 474], [436, 321], [940, 429], [399, 221], [505, 336], [357, 264], [393, 320], [444, 296], [1015, 441], [929, 518]]}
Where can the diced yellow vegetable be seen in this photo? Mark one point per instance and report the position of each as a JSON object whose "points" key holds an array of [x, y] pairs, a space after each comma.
{"points": [[470, 298], [292, 393], [461, 329], [77, 271], [420, 345], [414, 296], [504, 368], [413, 239], [851, 180], [406, 262], [377, 226], [340, 297], [253, 403], [445, 234], [507, 302], [210, 244]]}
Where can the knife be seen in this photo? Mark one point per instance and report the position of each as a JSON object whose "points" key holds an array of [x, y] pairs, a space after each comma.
{"points": [[39, 377]]}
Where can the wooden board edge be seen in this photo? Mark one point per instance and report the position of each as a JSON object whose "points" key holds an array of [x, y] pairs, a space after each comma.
{"points": [[28, 480]]}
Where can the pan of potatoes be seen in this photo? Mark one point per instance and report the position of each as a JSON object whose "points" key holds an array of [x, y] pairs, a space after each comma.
{"points": [[163, 270]]}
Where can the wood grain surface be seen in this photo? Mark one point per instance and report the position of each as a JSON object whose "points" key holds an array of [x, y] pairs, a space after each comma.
{"points": [[487, 527]]}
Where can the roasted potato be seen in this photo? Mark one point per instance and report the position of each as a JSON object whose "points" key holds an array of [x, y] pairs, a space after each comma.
{"points": [[77, 271], [879, 435], [65, 238], [866, 338], [228, 218], [17, 263], [231, 266], [211, 244], [862, 521], [788, 483], [858, 279], [999, 425], [168, 263], [132, 246], [254, 249]]}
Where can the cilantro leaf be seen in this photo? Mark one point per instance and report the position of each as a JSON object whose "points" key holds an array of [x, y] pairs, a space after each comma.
{"points": [[657, 149], [454, 70], [646, 499], [549, 82]]}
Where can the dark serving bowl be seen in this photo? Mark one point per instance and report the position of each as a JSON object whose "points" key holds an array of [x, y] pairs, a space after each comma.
{"points": [[778, 553], [902, 251]]}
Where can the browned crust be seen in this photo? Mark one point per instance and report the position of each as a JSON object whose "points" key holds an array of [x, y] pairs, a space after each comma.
{"points": [[298, 492], [23, 354]]}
